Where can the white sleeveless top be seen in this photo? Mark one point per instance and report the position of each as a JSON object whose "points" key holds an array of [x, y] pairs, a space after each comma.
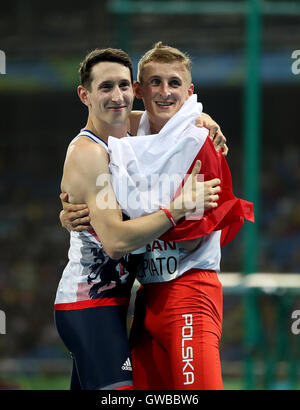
{"points": [[91, 277]]}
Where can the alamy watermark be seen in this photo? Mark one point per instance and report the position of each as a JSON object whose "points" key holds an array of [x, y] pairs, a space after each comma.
{"points": [[296, 64], [2, 62], [148, 193], [295, 328], [2, 323]]}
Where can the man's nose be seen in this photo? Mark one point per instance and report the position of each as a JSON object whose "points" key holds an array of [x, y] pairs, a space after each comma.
{"points": [[116, 94], [164, 89]]}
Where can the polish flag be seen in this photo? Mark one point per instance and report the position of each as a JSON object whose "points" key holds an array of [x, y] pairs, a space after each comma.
{"points": [[174, 151]]}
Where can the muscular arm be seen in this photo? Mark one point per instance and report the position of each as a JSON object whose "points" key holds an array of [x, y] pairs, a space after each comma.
{"points": [[204, 120], [85, 164]]}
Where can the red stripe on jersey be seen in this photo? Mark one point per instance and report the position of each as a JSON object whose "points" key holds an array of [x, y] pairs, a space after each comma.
{"points": [[92, 232], [84, 304]]}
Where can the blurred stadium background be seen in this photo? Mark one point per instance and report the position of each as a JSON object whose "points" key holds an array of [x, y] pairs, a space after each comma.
{"points": [[241, 53]]}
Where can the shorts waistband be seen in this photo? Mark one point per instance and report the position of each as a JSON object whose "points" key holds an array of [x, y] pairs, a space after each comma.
{"points": [[85, 304], [202, 273]]}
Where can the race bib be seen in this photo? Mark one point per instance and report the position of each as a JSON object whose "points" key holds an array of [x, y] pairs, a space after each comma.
{"points": [[160, 263]]}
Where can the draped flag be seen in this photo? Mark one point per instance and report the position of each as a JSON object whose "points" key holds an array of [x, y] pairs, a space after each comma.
{"points": [[140, 167]]}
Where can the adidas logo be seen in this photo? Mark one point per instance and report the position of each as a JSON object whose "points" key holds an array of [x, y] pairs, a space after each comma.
{"points": [[127, 365]]}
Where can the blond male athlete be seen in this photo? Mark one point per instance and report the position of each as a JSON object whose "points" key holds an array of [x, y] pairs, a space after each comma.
{"points": [[178, 315], [93, 294], [177, 323]]}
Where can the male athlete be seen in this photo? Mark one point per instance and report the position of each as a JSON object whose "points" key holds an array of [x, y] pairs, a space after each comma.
{"points": [[93, 294], [178, 316]]}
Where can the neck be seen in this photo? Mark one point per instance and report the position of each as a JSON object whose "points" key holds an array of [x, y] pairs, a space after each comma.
{"points": [[104, 130], [156, 126]]}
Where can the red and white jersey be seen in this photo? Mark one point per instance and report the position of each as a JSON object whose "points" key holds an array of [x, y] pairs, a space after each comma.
{"points": [[91, 278]]}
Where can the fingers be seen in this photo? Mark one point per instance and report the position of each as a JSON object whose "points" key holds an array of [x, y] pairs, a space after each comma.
{"points": [[211, 205], [82, 228], [74, 218], [219, 140], [76, 221], [213, 131], [64, 196], [197, 168], [199, 122], [67, 206], [81, 216], [215, 184], [75, 226], [225, 150], [212, 189], [82, 209]]}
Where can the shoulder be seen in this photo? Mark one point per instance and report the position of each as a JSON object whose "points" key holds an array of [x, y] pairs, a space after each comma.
{"points": [[84, 152], [134, 119], [85, 160]]}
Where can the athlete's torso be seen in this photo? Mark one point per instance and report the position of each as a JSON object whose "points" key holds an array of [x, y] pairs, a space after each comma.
{"points": [[91, 277], [165, 261]]}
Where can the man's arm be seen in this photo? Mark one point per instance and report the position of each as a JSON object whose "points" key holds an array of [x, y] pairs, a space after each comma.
{"points": [[204, 120], [83, 167], [215, 132]]}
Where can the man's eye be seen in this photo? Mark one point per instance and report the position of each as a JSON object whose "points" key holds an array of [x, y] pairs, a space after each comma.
{"points": [[124, 85], [175, 83], [106, 87], [155, 81]]}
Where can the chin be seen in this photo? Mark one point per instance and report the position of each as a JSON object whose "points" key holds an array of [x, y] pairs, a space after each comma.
{"points": [[165, 115]]}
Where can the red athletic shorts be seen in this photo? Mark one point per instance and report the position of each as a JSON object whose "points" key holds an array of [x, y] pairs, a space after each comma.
{"points": [[176, 333]]}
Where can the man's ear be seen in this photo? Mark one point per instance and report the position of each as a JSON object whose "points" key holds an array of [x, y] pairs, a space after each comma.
{"points": [[83, 95], [137, 89], [191, 90]]}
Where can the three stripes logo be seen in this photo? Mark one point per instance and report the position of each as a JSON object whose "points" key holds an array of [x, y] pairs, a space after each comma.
{"points": [[127, 365]]}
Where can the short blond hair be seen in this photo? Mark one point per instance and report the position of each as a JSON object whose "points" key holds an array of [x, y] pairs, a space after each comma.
{"points": [[163, 54]]}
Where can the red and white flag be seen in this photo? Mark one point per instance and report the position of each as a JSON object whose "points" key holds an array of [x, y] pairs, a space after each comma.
{"points": [[140, 167]]}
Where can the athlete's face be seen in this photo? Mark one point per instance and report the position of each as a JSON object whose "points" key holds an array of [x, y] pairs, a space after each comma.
{"points": [[111, 93], [165, 88]]}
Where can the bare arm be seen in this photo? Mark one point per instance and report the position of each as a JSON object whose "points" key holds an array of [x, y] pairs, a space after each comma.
{"points": [[205, 120]]}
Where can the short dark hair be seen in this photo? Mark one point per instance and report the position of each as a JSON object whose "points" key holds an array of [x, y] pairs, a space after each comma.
{"points": [[101, 55]]}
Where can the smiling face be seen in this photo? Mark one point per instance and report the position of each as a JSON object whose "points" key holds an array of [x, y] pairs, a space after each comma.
{"points": [[110, 96], [164, 89]]}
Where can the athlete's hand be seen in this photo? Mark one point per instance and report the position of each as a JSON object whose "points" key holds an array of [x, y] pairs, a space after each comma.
{"points": [[74, 217], [215, 132], [198, 195]]}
